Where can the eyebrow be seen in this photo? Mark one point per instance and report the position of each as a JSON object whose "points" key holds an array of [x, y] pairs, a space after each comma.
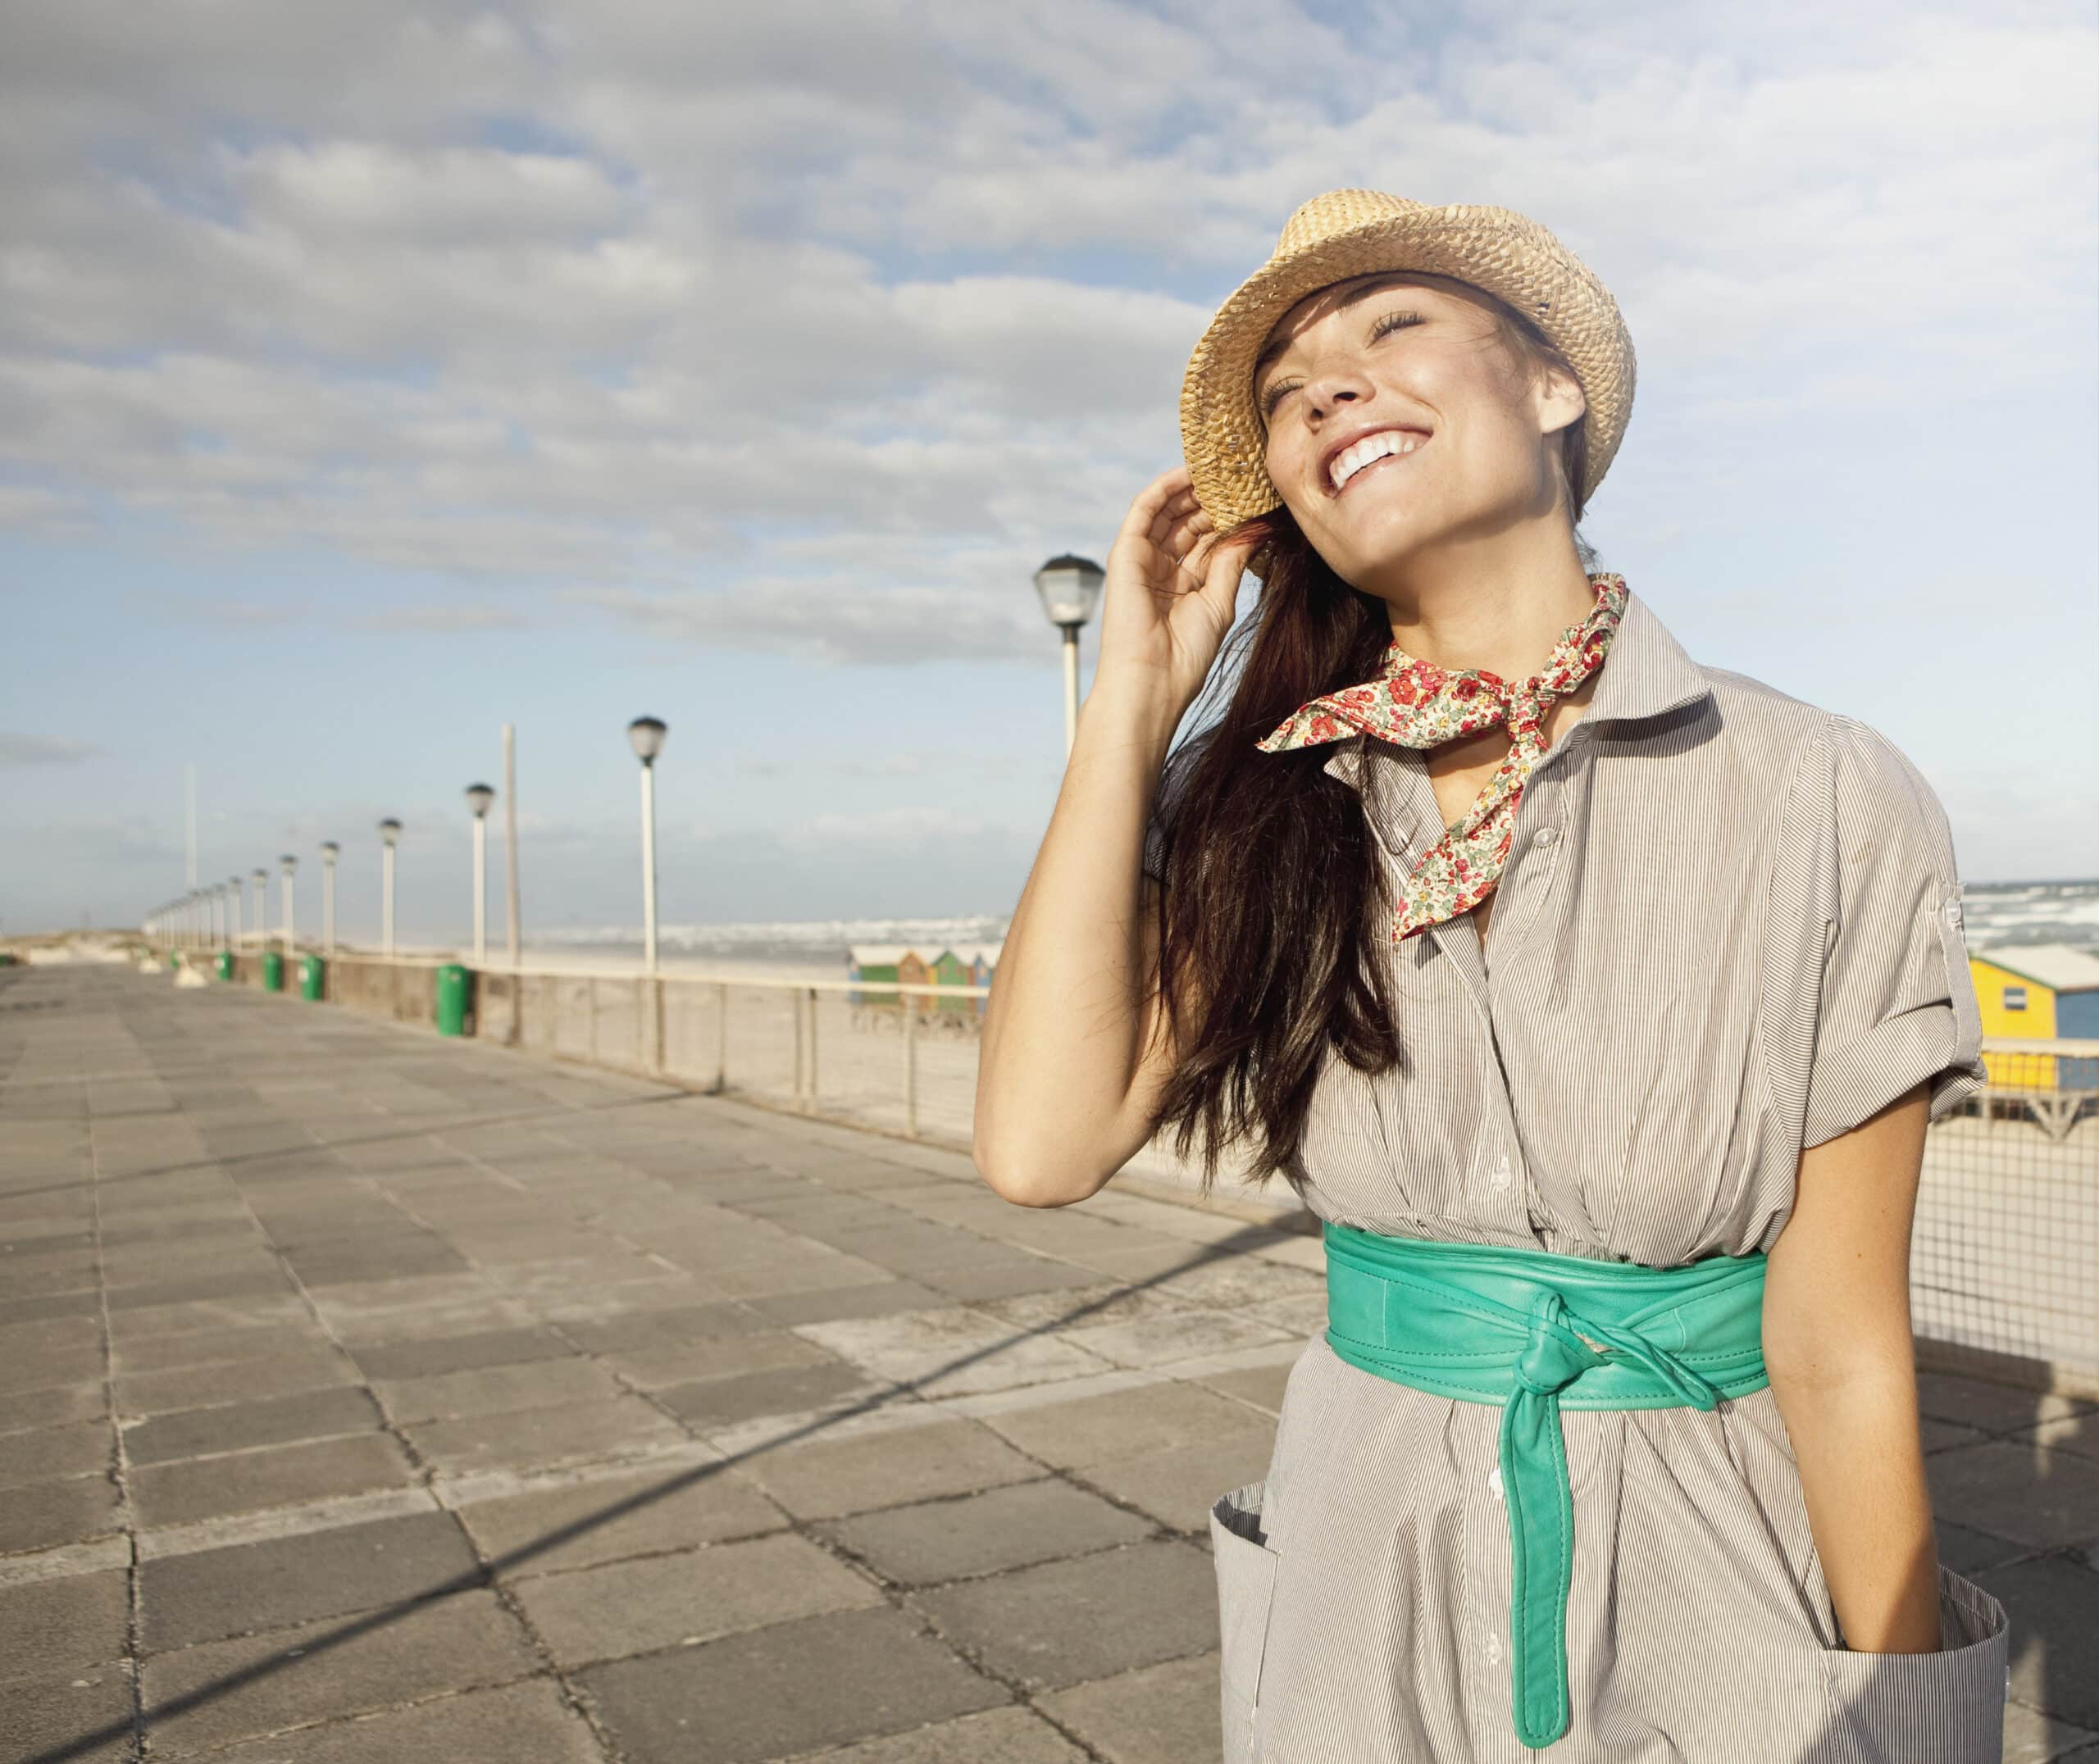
{"points": [[1276, 345]]}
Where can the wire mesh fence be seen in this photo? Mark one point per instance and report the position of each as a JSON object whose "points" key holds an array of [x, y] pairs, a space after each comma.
{"points": [[2005, 1252]]}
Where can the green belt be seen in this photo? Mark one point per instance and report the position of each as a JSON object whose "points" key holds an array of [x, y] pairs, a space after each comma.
{"points": [[1537, 1332]]}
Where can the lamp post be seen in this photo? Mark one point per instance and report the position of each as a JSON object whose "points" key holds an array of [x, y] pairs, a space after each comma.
{"points": [[261, 878], [232, 886], [330, 851], [210, 899], [1070, 588], [291, 938], [390, 836], [479, 798], [646, 735]]}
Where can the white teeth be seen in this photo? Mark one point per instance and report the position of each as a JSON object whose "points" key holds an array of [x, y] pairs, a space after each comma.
{"points": [[1350, 460]]}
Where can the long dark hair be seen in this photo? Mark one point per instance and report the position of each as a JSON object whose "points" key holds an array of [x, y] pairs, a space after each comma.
{"points": [[1269, 948]]}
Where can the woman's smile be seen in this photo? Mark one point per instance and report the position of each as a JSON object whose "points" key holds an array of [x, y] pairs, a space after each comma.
{"points": [[1359, 457]]}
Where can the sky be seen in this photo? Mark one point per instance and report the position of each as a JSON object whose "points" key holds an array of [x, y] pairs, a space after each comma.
{"points": [[372, 376]]}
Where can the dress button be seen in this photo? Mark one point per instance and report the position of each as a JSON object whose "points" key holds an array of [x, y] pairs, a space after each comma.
{"points": [[1493, 1649], [1494, 1482], [1545, 835], [1500, 1175]]}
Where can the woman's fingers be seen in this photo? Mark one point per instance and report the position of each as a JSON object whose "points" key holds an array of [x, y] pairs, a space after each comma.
{"points": [[1182, 538], [1172, 515], [1144, 511]]}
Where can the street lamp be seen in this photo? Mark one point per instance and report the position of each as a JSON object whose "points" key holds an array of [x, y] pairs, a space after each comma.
{"points": [[260, 877], [479, 796], [1070, 588], [330, 851], [390, 836], [646, 733], [291, 940], [232, 887]]}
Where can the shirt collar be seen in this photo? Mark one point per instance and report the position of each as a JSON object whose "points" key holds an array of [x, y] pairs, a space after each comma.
{"points": [[1644, 673]]}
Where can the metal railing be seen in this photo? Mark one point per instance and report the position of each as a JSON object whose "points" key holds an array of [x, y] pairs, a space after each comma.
{"points": [[2005, 1252]]}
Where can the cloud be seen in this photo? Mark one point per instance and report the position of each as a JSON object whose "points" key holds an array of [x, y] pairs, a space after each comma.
{"points": [[836, 621], [32, 508], [542, 295], [920, 832], [440, 619], [20, 749]]}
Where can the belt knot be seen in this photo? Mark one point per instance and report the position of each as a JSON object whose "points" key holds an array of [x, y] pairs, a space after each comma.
{"points": [[1549, 1362]]}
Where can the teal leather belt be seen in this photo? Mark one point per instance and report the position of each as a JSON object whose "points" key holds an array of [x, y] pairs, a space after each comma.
{"points": [[1535, 1332]]}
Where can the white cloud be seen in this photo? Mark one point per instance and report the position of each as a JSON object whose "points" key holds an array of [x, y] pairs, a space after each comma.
{"points": [[654, 310], [20, 749]]}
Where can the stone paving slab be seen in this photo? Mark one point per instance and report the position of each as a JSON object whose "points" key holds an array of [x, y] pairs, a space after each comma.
{"points": [[50, 1627], [204, 1697], [37, 1515], [208, 1595], [609, 1517], [318, 1469], [755, 1696], [525, 1723], [644, 1605], [371, 1397], [86, 1714]]}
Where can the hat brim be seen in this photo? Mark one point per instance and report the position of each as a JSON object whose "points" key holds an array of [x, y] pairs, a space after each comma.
{"points": [[1511, 256]]}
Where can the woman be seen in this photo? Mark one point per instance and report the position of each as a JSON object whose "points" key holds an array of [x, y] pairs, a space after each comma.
{"points": [[1610, 1448]]}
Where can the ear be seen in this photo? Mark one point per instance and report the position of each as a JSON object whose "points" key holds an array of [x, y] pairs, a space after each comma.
{"points": [[1559, 400]]}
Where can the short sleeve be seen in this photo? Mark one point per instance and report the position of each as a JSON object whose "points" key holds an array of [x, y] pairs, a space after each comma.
{"points": [[1897, 1003]]}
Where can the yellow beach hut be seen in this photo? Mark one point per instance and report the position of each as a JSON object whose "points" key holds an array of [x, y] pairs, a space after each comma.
{"points": [[2041, 992]]}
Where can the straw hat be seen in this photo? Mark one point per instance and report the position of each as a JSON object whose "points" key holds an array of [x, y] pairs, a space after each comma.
{"points": [[1351, 233]]}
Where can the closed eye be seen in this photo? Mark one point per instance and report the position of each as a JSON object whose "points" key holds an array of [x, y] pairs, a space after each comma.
{"points": [[1386, 324]]}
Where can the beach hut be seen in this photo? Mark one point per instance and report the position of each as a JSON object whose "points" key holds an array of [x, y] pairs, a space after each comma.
{"points": [[2041, 992], [950, 968], [873, 963], [982, 959]]}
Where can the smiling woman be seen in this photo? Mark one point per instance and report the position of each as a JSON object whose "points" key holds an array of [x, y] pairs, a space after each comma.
{"points": [[1610, 1443]]}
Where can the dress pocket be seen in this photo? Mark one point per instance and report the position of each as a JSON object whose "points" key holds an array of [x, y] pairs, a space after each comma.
{"points": [[1946, 1707], [1245, 1593]]}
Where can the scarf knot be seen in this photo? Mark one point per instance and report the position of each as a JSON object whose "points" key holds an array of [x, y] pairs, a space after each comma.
{"points": [[1415, 703]]}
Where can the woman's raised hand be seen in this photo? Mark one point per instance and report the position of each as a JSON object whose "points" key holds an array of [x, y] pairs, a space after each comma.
{"points": [[1172, 590]]}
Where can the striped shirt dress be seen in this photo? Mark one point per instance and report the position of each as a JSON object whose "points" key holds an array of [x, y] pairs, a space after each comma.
{"points": [[1729, 928]]}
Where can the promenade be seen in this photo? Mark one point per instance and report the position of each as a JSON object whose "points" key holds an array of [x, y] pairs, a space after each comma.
{"points": [[368, 1397]]}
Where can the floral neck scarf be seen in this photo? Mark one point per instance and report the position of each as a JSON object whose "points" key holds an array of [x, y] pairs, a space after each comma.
{"points": [[1416, 704]]}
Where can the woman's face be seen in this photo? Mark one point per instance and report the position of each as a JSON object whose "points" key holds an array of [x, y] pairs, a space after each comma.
{"points": [[1397, 423]]}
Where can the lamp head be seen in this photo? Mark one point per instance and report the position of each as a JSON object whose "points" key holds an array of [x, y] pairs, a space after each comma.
{"points": [[646, 733], [1070, 588], [289, 862], [389, 832], [260, 874], [330, 851], [479, 796]]}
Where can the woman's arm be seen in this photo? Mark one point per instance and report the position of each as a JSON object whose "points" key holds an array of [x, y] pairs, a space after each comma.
{"points": [[1837, 1345], [1072, 1054]]}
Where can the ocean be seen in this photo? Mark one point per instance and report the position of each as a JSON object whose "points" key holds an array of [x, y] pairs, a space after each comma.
{"points": [[1994, 915]]}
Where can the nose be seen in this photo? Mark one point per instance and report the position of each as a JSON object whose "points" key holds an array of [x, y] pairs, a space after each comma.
{"points": [[1334, 387]]}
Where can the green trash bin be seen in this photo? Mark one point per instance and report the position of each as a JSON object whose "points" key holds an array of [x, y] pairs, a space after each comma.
{"points": [[455, 999], [311, 969], [273, 970], [225, 964]]}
